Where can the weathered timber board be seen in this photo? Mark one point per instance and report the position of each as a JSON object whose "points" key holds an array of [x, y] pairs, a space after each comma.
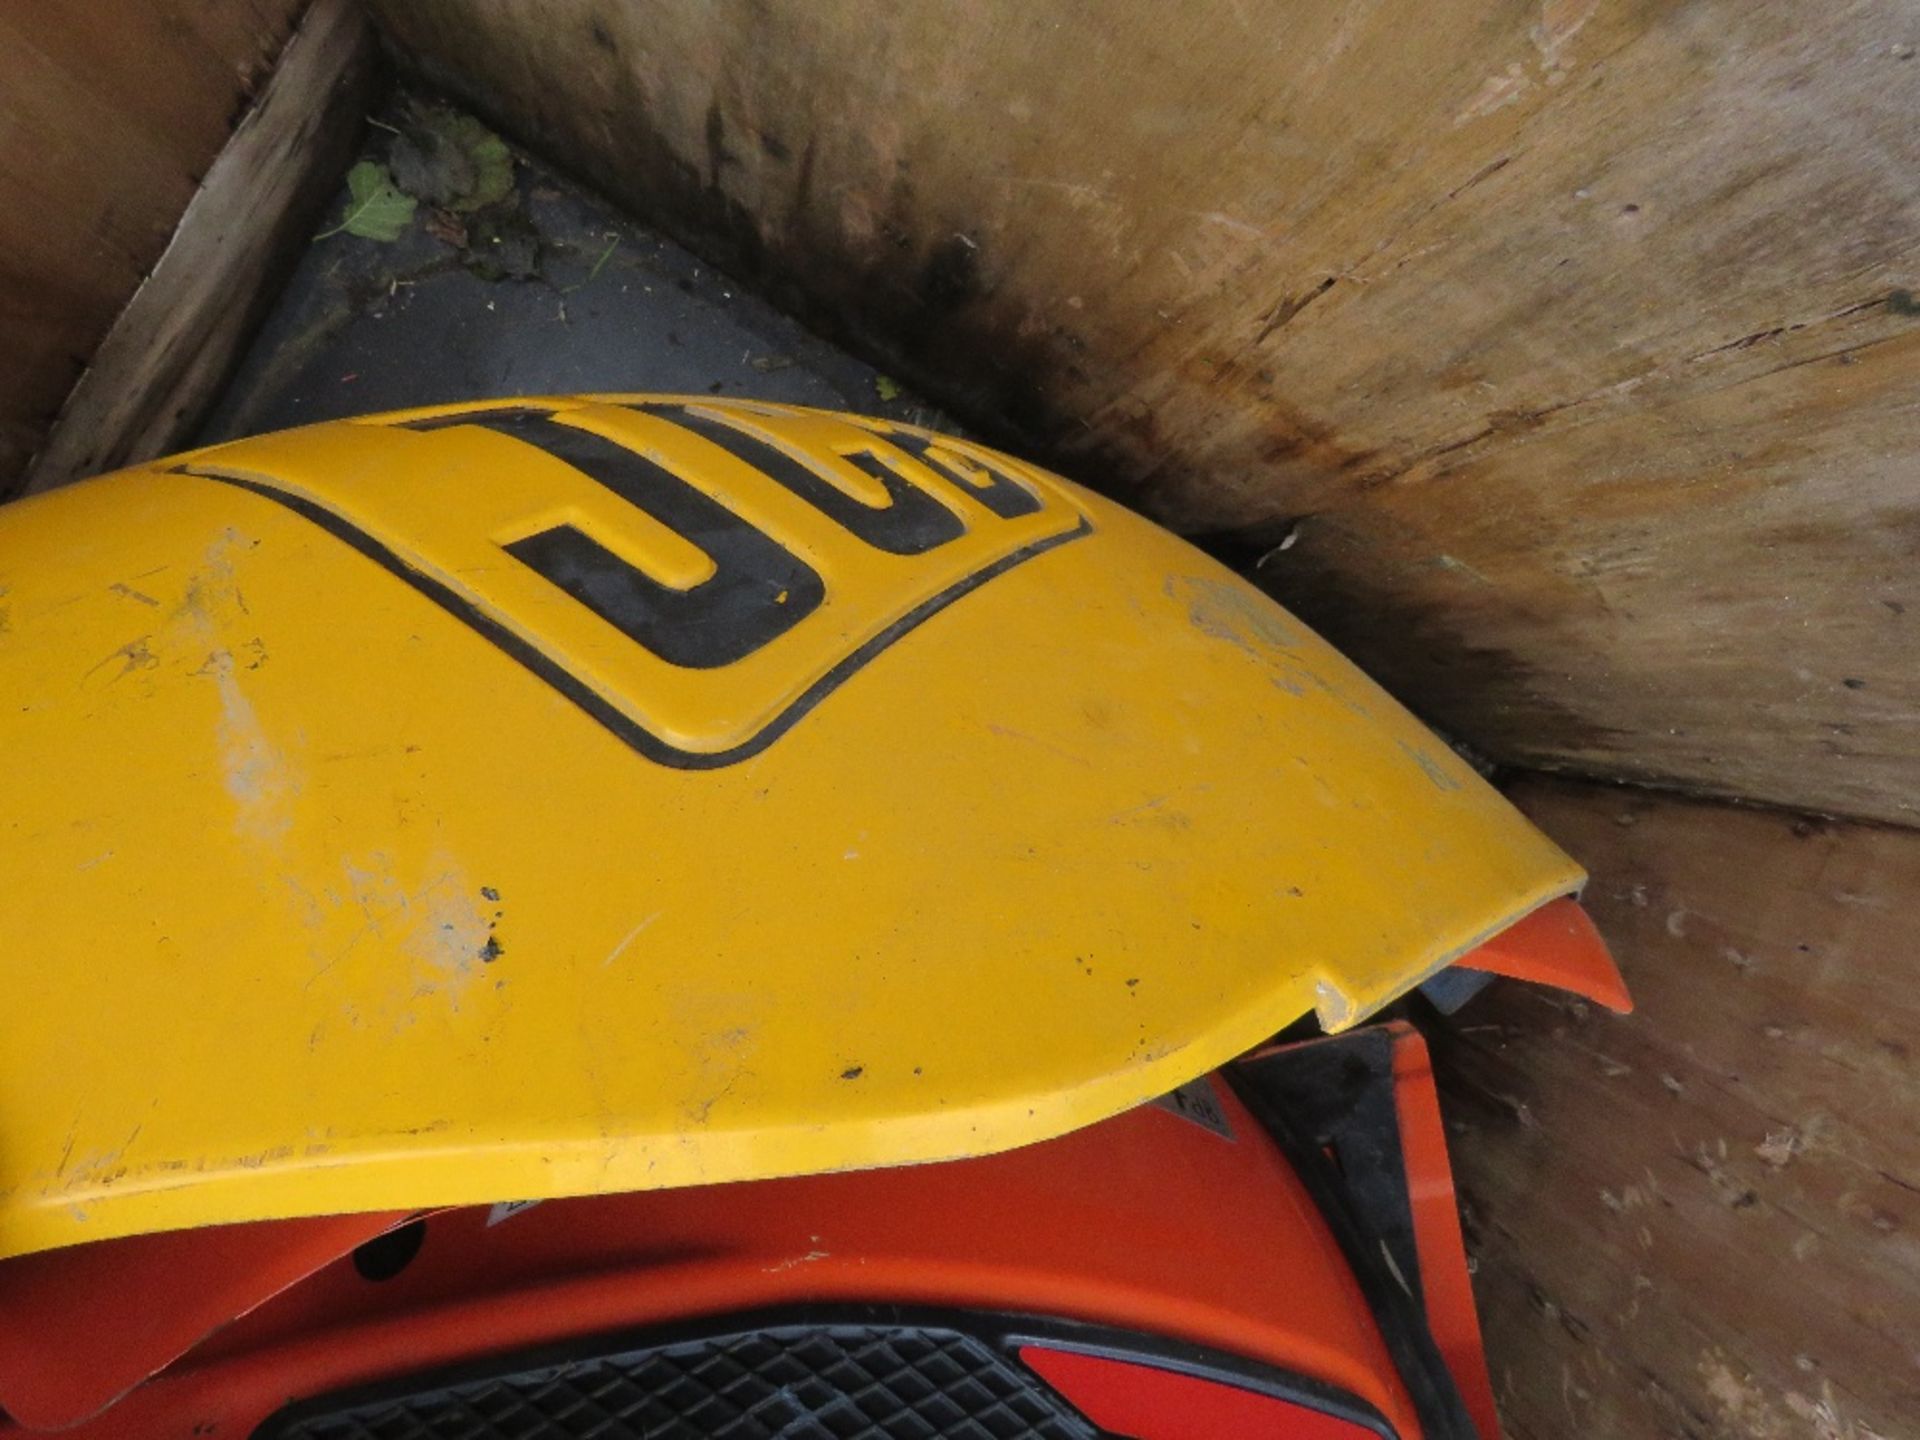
{"points": [[109, 117], [1703, 1220], [163, 364], [1580, 340]]}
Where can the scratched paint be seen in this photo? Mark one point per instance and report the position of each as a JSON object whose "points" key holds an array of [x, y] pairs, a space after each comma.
{"points": [[1226, 609], [440, 911], [448, 940], [254, 770]]}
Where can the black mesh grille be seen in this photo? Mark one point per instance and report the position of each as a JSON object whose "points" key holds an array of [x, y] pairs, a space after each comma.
{"points": [[796, 1382]]}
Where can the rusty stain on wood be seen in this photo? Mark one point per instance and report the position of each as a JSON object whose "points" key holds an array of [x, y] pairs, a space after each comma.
{"points": [[1572, 337], [1700, 1220]]}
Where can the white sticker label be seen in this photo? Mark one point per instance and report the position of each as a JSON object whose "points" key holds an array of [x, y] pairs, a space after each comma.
{"points": [[507, 1209]]}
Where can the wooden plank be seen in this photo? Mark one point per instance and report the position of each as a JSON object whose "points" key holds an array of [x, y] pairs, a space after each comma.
{"points": [[110, 117], [170, 350], [1703, 1220], [1575, 344]]}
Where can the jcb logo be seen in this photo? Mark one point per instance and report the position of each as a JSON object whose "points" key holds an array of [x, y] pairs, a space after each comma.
{"points": [[696, 576]]}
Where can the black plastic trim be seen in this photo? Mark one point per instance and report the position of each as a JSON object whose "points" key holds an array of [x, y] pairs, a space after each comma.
{"points": [[1006, 1333], [1198, 1361], [1336, 1095]]}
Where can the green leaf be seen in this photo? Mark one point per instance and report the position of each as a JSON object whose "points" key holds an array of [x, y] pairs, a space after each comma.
{"points": [[492, 168], [888, 387], [449, 159], [375, 209]]}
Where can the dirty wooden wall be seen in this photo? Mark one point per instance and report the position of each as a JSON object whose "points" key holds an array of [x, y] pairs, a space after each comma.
{"points": [[108, 120], [1574, 345], [1703, 1220]]}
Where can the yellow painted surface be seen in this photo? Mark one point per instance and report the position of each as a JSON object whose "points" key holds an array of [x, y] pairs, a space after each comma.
{"points": [[320, 899]]}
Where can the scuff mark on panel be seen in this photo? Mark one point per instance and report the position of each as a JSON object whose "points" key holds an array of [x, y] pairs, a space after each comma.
{"points": [[254, 770], [1432, 767], [450, 939], [127, 592], [136, 654], [440, 925], [812, 1257], [1230, 610], [721, 1059], [632, 935]]}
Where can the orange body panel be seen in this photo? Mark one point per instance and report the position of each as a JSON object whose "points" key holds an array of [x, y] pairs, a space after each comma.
{"points": [[80, 1327], [1149, 1222], [1556, 945], [1444, 1281]]}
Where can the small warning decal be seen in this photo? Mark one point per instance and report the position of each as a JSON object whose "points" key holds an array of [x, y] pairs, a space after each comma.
{"points": [[507, 1209], [1196, 1101]]}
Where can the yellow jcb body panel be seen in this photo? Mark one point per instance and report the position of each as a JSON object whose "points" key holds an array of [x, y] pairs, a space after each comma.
{"points": [[598, 794]]}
